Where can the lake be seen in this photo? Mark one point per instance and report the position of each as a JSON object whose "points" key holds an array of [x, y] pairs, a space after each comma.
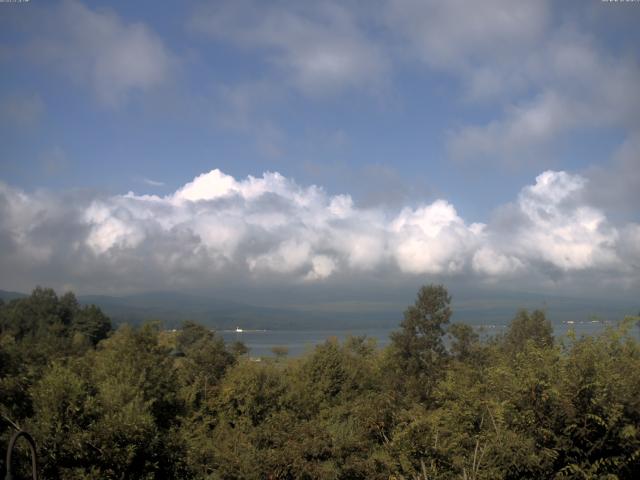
{"points": [[260, 342]]}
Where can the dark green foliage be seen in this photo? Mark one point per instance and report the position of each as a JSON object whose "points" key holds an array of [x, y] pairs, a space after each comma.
{"points": [[529, 328], [465, 342], [147, 403], [204, 363], [418, 351], [91, 323], [50, 326], [39, 335]]}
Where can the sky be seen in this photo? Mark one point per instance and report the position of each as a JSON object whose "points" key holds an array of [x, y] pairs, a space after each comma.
{"points": [[320, 147]]}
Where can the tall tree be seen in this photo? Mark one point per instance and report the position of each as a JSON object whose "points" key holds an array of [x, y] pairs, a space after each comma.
{"points": [[92, 323], [526, 327], [417, 349]]}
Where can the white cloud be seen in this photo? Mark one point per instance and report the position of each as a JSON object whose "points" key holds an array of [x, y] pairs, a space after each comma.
{"points": [[455, 35], [319, 47], [152, 183], [524, 127], [100, 50], [487, 47], [20, 216], [270, 229], [575, 85], [112, 228], [559, 229], [288, 257], [545, 74], [432, 239], [207, 187], [322, 267], [487, 261]]}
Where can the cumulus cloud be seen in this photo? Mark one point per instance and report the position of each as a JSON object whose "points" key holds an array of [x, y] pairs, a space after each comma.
{"points": [[269, 229], [433, 239], [556, 228], [100, 50]]}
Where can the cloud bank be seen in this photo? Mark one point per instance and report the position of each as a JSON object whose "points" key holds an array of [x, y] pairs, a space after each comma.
{"points": [[218, 229]]}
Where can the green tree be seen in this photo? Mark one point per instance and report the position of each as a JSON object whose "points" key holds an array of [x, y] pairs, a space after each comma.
{"points": [[136, 389], [465, 341], [527, 327], [418, 350], [92, 323], [601, 434], [65, 411], [205, 361]]}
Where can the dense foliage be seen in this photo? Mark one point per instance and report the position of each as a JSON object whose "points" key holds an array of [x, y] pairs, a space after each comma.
{"points": [[146, 403]]}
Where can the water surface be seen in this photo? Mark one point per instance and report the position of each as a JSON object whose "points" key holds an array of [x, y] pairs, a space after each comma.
{"points": [[298, 342]]}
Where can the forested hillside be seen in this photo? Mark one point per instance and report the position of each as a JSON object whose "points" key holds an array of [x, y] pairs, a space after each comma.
{"points": [[146, 403]]}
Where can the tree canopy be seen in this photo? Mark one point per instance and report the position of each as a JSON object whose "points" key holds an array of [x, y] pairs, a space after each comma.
{"points": [[143, 402]]}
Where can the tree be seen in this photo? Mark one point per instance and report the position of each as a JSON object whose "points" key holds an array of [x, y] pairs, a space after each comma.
{"points": [[135, 386], [238, 348], [205, 362], [464, 340], [68, 306], [206, 352], [64, 414], [525, 327], [418, 349], [36, 315], [92, 323]]}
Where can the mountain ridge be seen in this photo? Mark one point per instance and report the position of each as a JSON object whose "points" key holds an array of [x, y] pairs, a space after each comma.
{"points": [[171, 308]]}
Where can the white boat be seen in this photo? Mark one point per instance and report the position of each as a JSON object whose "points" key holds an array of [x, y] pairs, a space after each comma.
{"points": [[239, 330]]}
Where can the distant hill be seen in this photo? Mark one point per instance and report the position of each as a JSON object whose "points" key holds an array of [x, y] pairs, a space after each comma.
{"points": [[500, 309], [7, 296], [172, 308]]}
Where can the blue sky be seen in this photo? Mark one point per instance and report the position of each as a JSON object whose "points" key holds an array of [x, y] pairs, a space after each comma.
{"points": [[496, 141]]}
